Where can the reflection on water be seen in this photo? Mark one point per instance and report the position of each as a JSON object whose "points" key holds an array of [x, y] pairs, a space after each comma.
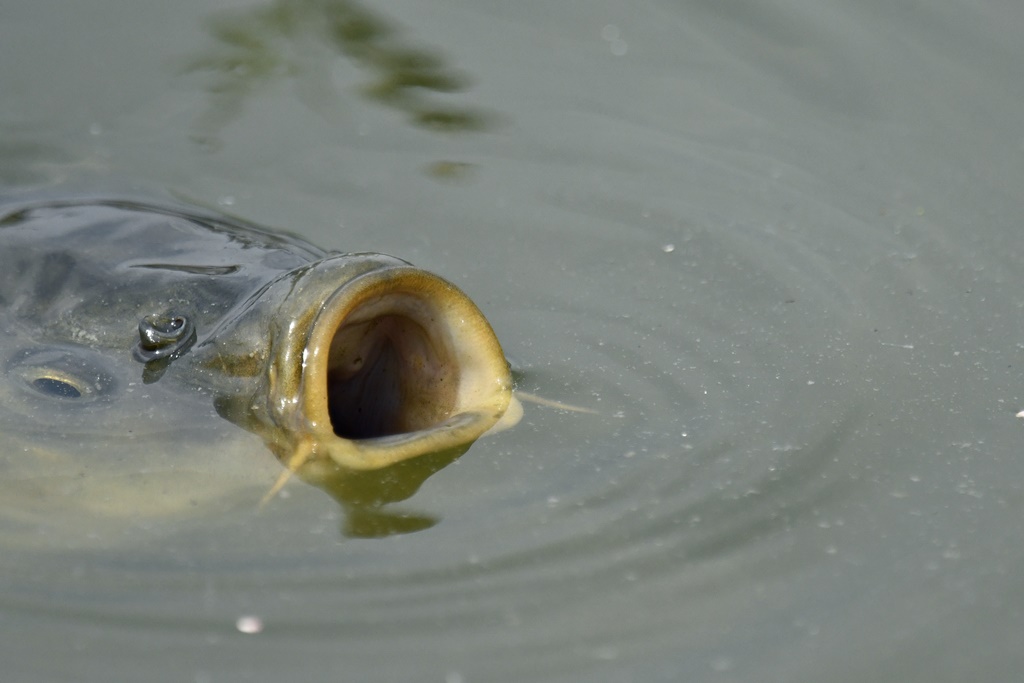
{"points": [[26, 161], [23, 162], [295, 40], [364, 495]]}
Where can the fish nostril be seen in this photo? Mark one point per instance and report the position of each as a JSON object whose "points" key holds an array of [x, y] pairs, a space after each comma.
{"points": [[164, 336]]}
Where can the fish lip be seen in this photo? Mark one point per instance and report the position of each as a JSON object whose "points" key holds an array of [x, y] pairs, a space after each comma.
{"points": [[427, 321]]}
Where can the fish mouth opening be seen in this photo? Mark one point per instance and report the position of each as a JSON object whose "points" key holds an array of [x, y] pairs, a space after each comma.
{"points": [[390, 370], [412, 367]]}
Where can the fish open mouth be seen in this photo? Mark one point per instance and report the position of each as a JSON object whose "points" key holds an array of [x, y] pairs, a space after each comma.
{"points": [[389, 370], [400, 363]]}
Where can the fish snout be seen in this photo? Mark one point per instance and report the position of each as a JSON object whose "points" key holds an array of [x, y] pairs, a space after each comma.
{"points": [[400, 363]]}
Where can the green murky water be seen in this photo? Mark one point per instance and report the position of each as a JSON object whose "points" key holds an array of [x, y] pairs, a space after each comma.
{"points": [[776, 248]]}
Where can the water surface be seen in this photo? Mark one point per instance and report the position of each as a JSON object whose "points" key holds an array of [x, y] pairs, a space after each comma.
{"points": [[775, 247]]}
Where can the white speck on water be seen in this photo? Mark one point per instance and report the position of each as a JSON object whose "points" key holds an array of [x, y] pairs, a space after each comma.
{"points": [[1020, 414], [908, 347], [226, 200], [611, 34], [249, 624], [668, 248], [722, 664], [86, 336]]}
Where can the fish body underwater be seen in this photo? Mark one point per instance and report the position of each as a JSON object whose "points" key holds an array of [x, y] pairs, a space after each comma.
{"points": [[132, 323]]}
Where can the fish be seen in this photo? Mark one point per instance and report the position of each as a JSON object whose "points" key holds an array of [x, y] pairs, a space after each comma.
{"points": [[127, 316]]}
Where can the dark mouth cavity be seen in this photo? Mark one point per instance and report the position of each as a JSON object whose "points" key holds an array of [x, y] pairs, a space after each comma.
{"points": [[391, 370]]}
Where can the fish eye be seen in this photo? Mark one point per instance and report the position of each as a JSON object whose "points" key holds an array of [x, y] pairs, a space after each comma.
{"points": [[57, 387], [66, 374]]}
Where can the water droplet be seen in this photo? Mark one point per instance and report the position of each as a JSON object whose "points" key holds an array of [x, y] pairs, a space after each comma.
{"points": [[249, 624], [721, 664]]}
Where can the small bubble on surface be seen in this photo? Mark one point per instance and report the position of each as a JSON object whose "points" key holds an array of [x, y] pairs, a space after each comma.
{"points": [[612, 35], [722, 664], [249, 624]]}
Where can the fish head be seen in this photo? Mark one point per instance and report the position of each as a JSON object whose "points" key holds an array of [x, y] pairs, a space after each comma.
{"points": [[129, 332], [367, 362]]}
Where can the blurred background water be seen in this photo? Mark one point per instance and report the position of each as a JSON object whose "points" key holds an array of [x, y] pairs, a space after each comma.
{"points": [[776, 247]]}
